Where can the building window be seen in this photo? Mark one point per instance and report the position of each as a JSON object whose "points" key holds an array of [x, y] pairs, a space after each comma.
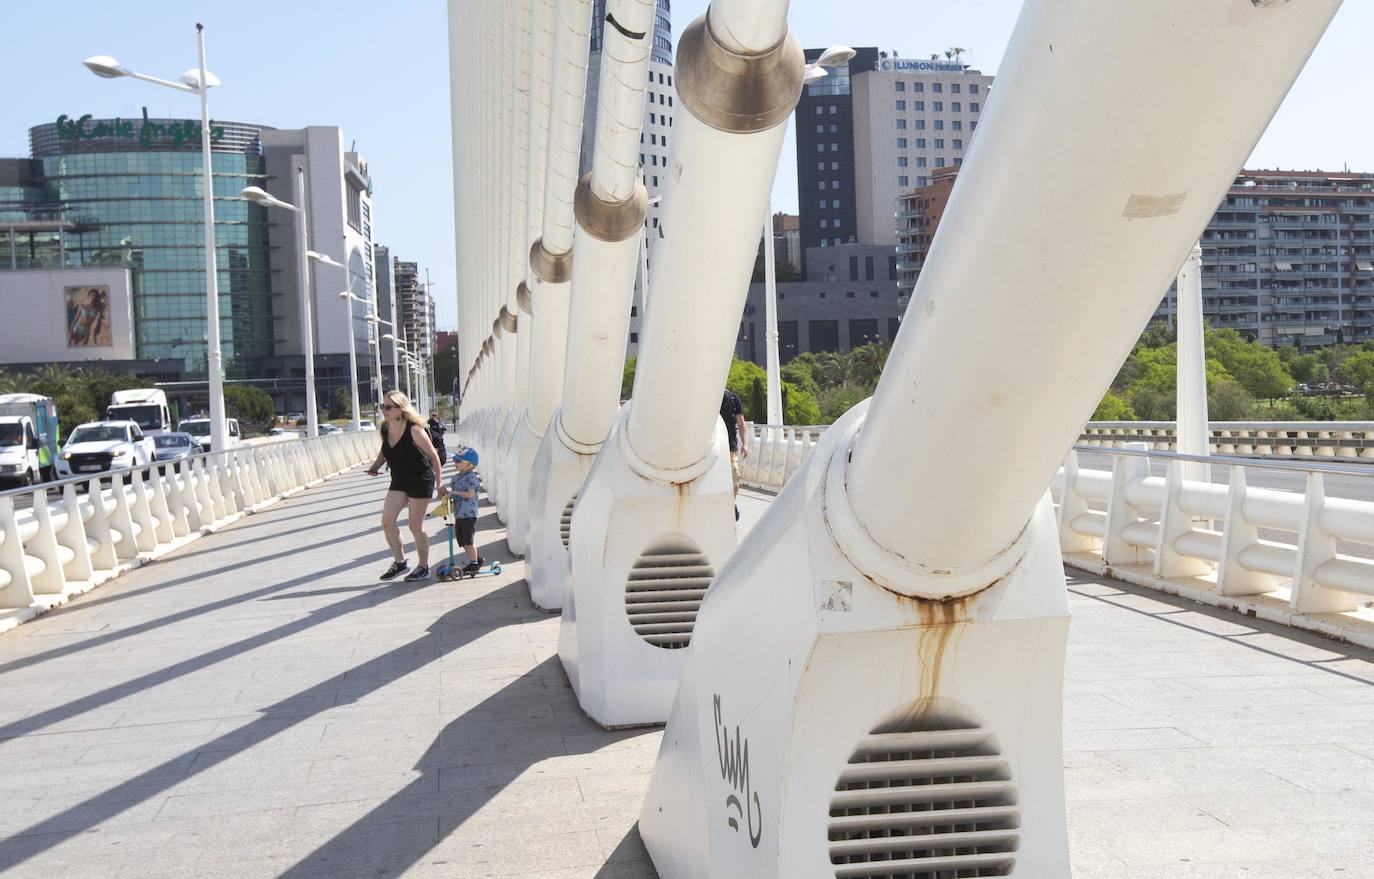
{"points": [[863, 332], [838, 223], [834, 148], [820, 166], [820, 129], [958, 144], [973, 88], [901, 143], [823, 334], [901, 124], [355, 208], [868, 268], [901, 105], [872, 294], [835, 203], [820, 184], [834, 184], [939, 125], [853, 268], [973, 107], [634, 338], [920, 106], [834, 166], [955, 88], [920, 161], [832, 109], [901, 161], [956, 107], [937, 87], [939, 162], [920, 125], [900, 86], [903, 181], [918, 86], [822, 205], [920, 143], [973, 126], [653, 139], [820, 147], [834, 129], [939, 143], [939, 106], [957, 125], [819, 109], [849, 294], [825, 224]]}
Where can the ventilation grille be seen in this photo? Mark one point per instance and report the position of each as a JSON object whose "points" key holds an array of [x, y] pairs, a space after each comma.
{"points": [[565, 521], [665, 589], [931, 800]]}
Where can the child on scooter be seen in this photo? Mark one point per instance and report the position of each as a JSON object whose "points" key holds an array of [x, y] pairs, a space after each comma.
{"points": [[465, 485]]}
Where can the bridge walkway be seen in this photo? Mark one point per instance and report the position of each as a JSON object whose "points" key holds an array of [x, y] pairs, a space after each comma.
{"points": [[257, 704]]}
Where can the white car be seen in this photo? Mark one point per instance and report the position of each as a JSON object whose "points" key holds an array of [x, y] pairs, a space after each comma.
{"points": [[103, 447], [200, 429]]}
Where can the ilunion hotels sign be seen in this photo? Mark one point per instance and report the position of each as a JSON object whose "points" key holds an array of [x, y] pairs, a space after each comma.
{"points": [[145, 131]]}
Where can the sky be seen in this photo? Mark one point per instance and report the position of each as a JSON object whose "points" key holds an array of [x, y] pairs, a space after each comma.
{"points": [[381, 71]]}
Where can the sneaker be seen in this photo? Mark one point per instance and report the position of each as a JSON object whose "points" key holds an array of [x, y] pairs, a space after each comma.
{"points": [[736, 514], [473, 567], [421, 572], [396, 568]]}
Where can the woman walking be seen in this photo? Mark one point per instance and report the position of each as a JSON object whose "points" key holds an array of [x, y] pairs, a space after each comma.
{"points": [[415, 468]]}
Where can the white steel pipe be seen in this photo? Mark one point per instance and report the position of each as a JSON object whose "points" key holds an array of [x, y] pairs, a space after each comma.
{"points": [[609, 208], [550, 258], [711, 208], [1081, 137], [748, 27]]}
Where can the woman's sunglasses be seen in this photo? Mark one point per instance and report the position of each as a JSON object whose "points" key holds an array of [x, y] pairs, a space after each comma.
{"points": [[387, 407]]}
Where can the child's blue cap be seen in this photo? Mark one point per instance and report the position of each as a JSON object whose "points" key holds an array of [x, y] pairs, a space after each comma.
{"points": [[466, 454]]}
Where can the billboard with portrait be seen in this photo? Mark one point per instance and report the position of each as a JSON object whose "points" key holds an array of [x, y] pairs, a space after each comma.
{"points": [[88, 316]]}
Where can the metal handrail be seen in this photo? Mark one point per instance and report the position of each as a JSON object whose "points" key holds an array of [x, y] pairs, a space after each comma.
{"points": [[1234, 460]]}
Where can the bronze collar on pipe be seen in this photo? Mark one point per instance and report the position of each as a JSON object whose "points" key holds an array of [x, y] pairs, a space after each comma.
{"points": [[733, 92], [551, 268], [609, 221], [507, 320], [523, 297]]}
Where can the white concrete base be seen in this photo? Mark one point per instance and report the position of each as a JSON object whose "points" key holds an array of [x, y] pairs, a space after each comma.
{"points": [[556, 476], [801, 667], [504, 466], [524, 446], [622, 679]]}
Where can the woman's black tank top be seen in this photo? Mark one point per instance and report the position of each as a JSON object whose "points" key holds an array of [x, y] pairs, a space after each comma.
{"points": [[404, 458]]}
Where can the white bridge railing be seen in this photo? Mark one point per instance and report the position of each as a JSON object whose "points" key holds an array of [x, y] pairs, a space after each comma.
{"points": [[1277, 439], [67, 541], [1296, 557]]}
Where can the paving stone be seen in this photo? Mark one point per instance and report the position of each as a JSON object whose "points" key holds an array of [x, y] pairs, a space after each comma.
{"points": [[257, 704]]}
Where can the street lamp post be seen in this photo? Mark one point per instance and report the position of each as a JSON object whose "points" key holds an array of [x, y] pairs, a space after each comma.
{"points": [[377, 333], [198, 82], [304, 256], [347, 297]]}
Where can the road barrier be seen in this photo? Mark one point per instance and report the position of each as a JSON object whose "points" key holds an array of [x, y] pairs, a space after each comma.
{"points": [[67, 542]]}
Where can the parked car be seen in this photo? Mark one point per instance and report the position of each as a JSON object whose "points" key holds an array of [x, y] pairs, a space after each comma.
{"points": [[200, 429], [283, 431], [103, 447], [294, 417], [174, 446], [330, 428]]}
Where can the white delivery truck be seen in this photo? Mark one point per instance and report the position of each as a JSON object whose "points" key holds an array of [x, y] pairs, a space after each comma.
{"points": [[146, 407], [28, 439]]}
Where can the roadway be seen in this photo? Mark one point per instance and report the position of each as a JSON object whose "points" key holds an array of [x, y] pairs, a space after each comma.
{"points": [[257, 704]]}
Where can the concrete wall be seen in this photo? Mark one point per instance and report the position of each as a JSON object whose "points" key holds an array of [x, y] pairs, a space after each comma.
{"points": [[34, 299]]}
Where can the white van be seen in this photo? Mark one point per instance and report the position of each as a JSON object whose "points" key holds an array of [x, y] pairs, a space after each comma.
{"points": [[199, 427], [146, 407]]}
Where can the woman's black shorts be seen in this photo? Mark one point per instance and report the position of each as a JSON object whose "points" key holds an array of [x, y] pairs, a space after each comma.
{"points": [[414, 486]]}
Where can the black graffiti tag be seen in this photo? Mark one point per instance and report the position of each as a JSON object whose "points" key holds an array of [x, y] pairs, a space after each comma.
{"points": [[734, 770]]}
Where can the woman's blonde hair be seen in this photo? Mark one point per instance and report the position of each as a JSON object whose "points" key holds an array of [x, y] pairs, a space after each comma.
{"points": [[407, 408]]}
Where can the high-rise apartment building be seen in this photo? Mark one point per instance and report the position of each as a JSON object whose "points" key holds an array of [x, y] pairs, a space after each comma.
{"points": [[918, 216], [1288, 259], [660, 99], [872, 129]]}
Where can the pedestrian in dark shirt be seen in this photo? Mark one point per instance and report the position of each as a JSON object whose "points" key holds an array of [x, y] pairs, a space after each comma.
{"points": [[732, 413]]}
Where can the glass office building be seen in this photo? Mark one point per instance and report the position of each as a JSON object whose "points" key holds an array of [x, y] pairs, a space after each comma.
{"points": [[128, 192]]}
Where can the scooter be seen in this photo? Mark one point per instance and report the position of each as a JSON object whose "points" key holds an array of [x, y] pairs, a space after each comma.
{"points": [[452, 569]]}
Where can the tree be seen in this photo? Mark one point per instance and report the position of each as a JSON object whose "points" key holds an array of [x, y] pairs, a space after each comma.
{"points": [[627, 378], [866, 364], [341, 403], [757, 408], [445, 368], [798, 373], [1258, 369], [799, 406], [1358, 370], [1228, 401], [836, 401], [252, 407], [1113, 408]]}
